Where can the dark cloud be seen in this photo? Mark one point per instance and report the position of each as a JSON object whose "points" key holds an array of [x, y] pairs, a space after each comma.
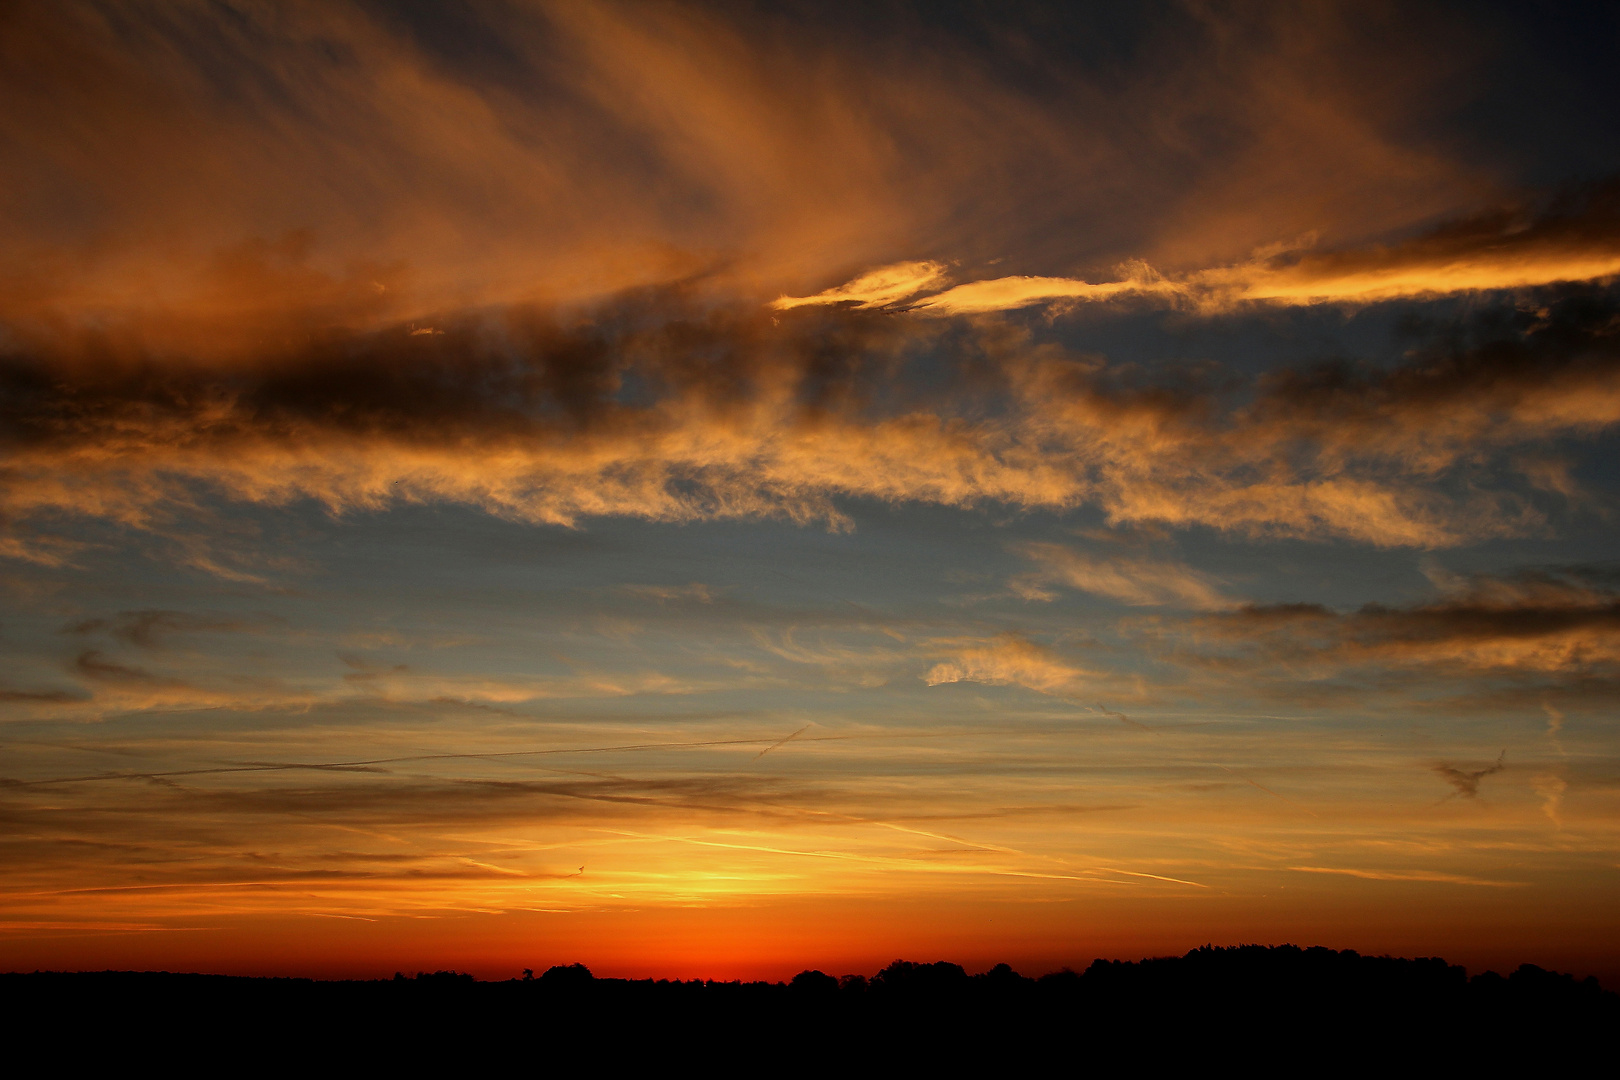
{"points": [[1535, 622], [1122, 718], [147, 628], [1465, 783], [93, 664], [39, 696], [1573, 234], [1510, 373], [487, 378]]}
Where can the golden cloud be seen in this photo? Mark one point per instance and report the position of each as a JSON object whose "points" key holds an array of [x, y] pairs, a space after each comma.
{"points": [[222, 184], [875, 288], [1504, 249], [1009, 660]]}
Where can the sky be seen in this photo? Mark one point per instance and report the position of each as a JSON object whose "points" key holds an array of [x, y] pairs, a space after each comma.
{"points": [[719, 490]]}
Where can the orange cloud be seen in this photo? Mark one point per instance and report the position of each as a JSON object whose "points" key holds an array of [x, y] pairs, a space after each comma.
{"points": [[1009, 660], [1510, 249], [876, 288], [354, 171], [1010, 293], [195, 266]]}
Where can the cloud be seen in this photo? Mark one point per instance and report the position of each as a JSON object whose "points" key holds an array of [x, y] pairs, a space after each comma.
{"points": [[216, 178], [111, 686], [1408, 875], [875, 288], [147, 628], [1555, 720], [1009, 660], [592, 207], [1136, 580], [240, 830], [1562, 621], [92, 664], [703, 594], [1011, 293], [1551, 788], [1466, 782], [52, 697], [1122, 718], [1575, 239], [661, 407]]}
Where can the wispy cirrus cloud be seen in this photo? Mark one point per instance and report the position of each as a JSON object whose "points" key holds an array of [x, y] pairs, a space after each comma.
{"points": [[211, 183], [271, 350], [1136, 579]]}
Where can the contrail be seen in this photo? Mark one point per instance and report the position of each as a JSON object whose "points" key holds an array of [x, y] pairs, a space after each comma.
{"points": [[1121, 716], [370, 764], [1267, 790], [1155, 877], [364, 765], [774, 745]]}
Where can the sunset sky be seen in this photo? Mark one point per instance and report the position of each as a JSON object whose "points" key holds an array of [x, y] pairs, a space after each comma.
{"points": [[715, 490]]}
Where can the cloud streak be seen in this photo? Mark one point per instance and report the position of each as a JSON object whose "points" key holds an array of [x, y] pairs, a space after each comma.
{"points": [[1545, 621], [1574, 239], [874, 289], [1135, 580]]}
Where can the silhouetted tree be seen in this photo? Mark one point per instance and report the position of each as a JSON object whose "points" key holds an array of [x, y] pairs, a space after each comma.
{"points": [[905, 977], [814, 982], [567, 977], [1002, 975]]}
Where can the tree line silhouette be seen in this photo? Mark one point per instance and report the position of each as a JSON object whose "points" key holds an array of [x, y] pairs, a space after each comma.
{"points": [[1263, 1002]]}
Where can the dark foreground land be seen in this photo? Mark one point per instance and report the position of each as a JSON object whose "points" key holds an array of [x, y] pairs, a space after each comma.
{"points": [[1285, 1007]]}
